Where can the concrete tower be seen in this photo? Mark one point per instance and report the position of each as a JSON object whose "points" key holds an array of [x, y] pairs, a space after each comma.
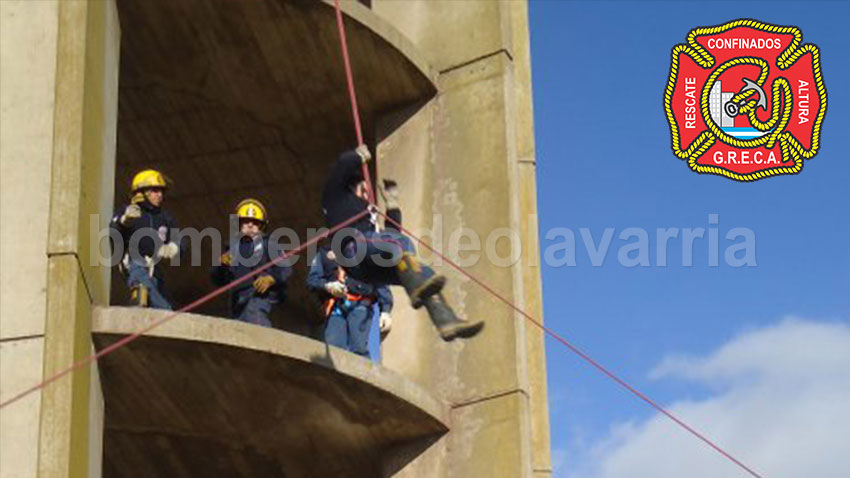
{"points": [[248, 98]]}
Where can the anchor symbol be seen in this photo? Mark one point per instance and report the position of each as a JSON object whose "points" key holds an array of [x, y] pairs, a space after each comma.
{"points": [[734, 109]]}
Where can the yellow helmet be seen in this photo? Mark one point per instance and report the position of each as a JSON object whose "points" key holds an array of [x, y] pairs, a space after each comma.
{"points": [[252, 209], [148, 178]]}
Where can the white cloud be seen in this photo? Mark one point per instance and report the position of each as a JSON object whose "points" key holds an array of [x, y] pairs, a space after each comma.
{"points": [[780, 404]]}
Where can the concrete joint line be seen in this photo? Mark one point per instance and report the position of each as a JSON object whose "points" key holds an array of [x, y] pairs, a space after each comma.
{"points": [[491, 397], [21, 337], [51, 255], [477, 59]]}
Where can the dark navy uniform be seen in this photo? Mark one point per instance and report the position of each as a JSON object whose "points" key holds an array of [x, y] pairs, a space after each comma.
{"points": [[141, 237], [390, 256], [247, 304], [349, 319]]}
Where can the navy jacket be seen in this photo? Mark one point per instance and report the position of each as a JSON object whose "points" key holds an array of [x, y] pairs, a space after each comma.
{"points": [[339, 201], [253, 254], [323, 270], [153, 221]]}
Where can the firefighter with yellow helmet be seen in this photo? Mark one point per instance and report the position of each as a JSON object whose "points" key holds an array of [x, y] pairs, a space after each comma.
{"points": [[252, 300], [146, 229]]}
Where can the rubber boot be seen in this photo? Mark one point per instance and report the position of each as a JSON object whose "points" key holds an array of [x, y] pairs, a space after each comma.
{"points": [[448, 324], [420, 282], [139, 295]]}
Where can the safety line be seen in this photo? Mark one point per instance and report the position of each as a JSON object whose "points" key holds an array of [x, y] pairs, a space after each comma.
{"points": [[575, 349], [355, 113], [584, 356], [135, 335], [352, 94]]}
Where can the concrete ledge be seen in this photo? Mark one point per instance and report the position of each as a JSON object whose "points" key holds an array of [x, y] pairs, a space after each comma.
{"points": [[202, 396], [388, 33], [276, 61]]}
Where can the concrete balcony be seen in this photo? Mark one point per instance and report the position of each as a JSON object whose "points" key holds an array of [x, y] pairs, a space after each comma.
{"points": [[203, 396], [234, 99], [248, 98]]}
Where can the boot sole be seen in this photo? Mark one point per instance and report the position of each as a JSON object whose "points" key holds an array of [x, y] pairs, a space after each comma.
{"points": [[462, 331], [431, 287]]}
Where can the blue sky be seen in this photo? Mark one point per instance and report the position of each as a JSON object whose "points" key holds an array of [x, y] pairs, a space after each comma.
{"points": [[604, 160]]}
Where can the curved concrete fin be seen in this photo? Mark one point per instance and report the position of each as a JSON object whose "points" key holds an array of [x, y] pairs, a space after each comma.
{"points": [[202, 396]]}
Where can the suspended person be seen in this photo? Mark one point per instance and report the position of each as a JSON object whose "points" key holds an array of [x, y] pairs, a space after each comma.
{"points": [[345, 195], [348, 304], [147, 227], [252, 300]]}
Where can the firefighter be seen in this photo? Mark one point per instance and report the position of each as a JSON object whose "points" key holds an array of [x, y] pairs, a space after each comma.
{"points": [[348, 304], [146, 228], [390, 256], [252, 300]]}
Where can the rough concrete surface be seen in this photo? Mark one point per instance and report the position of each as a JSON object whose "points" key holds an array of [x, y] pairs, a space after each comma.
{"points": [[201, 396], [233, 99]]}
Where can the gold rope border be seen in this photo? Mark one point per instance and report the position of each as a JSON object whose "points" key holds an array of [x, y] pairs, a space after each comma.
{"points": [[789, 145]]}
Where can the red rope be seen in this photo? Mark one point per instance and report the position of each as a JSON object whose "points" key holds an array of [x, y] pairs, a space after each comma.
{"points": [[576, 350], [355, 113], [348, 75], [352, 94], [135, 335]]}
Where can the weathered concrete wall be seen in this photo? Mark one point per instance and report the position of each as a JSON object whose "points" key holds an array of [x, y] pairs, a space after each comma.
{"points": [[27, 76], [82, 170], [59, 104], [466, 160], [531, 281]]}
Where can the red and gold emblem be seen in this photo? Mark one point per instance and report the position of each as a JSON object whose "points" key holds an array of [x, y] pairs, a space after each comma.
{"points": [[745, 100]]}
